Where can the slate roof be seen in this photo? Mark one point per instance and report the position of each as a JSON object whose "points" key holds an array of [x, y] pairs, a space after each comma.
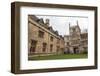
{"points": [[42, 23]]}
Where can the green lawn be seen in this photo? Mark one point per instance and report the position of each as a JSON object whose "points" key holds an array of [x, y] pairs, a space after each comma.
{"points": [[63, 56]]}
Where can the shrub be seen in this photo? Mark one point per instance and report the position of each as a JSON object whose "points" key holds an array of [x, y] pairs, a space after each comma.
{"points": [[85, 52]]}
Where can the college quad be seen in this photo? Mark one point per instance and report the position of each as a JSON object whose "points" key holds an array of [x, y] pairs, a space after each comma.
{"points": [[43, 40]]}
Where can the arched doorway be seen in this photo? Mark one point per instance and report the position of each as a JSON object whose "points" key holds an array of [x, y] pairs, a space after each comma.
{"points": [[75, 49]]}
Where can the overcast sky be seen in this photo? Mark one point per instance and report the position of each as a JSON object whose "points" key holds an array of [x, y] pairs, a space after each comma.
{"points": [[61, 23]]}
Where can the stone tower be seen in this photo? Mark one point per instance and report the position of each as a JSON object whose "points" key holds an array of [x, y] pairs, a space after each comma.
{"points": [[75, 33], [76, 41]]}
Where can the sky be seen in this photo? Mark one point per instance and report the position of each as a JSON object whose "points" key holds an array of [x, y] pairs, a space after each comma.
{"points": [[61, 23]]}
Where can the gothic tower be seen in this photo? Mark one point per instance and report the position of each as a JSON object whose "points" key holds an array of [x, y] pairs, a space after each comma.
{"points": [[74, 32]]}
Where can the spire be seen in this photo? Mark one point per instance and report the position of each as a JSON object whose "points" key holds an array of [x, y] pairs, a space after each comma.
{"points": [[69, 27], [78, 26], [77, 23], [69, 24]]}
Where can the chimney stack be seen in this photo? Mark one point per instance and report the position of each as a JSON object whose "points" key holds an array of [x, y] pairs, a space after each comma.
{"points": [[47, 22]]}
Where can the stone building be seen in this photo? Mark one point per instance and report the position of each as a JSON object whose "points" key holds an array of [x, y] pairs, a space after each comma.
{"points": [[76, 41], [42, 39]]}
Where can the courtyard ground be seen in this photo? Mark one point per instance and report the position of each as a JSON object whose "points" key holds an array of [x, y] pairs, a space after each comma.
{"points": [[63, 56]]}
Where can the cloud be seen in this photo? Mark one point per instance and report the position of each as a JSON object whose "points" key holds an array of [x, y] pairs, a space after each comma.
{"points": [[61, 24]]}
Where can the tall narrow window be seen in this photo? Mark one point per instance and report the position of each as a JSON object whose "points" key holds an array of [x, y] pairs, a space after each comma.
{"points": [[44, 47], [41, 34], [68, 43], [51, 38], [58, 41], [58, 48], [51, 47], [33, 46]]}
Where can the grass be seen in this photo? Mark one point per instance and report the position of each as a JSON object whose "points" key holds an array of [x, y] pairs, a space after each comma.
{"points": [[63, 56]]}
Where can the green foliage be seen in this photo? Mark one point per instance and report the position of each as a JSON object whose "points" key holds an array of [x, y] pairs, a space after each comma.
{"points": [[85, 52]]}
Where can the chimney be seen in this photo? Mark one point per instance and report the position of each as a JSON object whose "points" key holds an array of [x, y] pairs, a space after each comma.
{"points": [[47, 22]]}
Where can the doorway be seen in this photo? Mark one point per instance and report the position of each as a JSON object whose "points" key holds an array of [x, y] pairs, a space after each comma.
{"points": [[75, 50]]}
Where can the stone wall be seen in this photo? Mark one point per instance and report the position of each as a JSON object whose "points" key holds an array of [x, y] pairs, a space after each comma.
{"points": [[50, 42]]}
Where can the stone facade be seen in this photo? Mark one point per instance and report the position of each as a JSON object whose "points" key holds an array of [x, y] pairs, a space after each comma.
{"points": [[42, 39], [76, 41]]}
